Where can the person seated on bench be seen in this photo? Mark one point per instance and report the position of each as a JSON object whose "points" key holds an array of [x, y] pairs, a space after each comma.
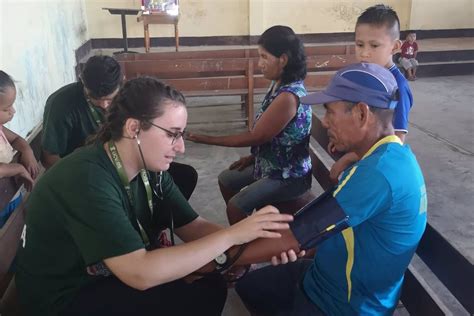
{"points": [[75, 111], [27, 169], [89, 243], [408, 54], [381, 202], [279, 167]]}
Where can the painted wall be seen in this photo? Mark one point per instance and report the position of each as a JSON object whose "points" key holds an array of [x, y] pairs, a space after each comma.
{"points": [[197, 18], [38, 40], [441, 14], [321, 16], [244, 17]]}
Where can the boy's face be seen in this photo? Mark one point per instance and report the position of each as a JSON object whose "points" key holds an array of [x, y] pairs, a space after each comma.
{"points": [[411, 37], [374, 44]]}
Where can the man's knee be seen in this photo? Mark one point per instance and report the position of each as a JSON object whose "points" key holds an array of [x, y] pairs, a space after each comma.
{"points": [[185, 177], [213, 294]]}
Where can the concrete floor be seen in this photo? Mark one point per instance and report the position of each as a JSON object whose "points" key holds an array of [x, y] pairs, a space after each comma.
{"points": [[441, 134]]}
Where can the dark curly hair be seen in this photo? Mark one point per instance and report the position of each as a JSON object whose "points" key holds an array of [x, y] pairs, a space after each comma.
{"points": [[102, 75], [381, 15], [142, 98], [279, 40]]}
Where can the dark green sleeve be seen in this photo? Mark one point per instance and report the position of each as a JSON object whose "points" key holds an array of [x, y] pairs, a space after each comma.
{"points": [[57, 128], [97, 217], [175, 202]]}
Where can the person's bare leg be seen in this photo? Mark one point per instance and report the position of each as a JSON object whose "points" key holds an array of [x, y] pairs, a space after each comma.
{"points": [[410, 73], [227, 193], [414, 72], [234, 214]]}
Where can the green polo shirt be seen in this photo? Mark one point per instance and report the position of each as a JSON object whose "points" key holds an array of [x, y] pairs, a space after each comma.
{"points": [[67, 120], [78, 215]]}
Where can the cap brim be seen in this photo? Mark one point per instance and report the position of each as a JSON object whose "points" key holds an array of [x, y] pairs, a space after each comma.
{"points": [[318, 98]]}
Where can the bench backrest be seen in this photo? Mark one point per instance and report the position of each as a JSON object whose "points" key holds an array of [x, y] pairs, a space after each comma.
{"points": [[446, 263], [219, 66], [337, 49]]}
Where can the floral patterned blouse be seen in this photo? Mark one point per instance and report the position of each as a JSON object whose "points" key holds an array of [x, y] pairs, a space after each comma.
{"points": [[286, 155]]}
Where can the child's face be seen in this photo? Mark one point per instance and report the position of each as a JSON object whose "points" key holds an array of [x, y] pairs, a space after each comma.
{"points": [[374, 44], [411, 37], [6, 105]]}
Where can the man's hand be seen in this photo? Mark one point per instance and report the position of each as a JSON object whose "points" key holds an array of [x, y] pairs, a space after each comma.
{"points": [[331, 148], [288, 256], [242, 163]]}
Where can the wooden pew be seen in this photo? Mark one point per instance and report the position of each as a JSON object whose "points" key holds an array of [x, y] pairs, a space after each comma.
{"points": [[442, 260], [337, 49], [228, 76], [10, 233]]}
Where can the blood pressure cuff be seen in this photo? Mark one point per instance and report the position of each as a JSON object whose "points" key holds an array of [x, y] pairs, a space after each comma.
{"points": [[318, 220]]}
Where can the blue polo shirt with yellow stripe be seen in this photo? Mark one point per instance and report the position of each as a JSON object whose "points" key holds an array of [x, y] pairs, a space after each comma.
{"points": [[360, 270]]}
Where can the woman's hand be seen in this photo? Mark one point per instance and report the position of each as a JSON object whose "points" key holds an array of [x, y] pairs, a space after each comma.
{"points": [[28, 160], [261, 224], [242, 163], [197, 138]]}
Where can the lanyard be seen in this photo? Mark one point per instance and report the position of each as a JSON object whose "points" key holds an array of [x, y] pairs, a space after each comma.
{"points": [[95, 113], [119, 166]]}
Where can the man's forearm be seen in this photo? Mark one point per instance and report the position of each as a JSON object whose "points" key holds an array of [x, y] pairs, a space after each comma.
{"points": [[263, 249]]}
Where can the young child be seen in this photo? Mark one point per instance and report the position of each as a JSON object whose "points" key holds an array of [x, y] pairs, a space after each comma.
{"points": [[408, 55], [377, 34], [28, 168]]}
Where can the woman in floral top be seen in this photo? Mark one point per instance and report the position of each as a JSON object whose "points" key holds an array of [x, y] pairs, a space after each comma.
{"points": [[279, 167]]}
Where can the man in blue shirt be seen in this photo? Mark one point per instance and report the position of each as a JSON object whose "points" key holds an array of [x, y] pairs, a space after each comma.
{"points": [[382, 200]]}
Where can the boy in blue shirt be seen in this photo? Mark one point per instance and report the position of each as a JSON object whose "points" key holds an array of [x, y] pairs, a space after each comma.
{"points": [[377, 38], [382, 198]]}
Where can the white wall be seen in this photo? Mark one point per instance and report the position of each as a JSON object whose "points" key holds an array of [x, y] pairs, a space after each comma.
{"points": [[442, 14], [38, 40]]}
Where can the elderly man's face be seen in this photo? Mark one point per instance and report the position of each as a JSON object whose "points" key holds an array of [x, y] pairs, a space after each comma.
{"points": [[341, 125]]}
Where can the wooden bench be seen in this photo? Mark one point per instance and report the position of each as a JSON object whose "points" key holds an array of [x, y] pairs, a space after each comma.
{"points": [[337, 49], [436, 260], [226, 76], [10, 233]]}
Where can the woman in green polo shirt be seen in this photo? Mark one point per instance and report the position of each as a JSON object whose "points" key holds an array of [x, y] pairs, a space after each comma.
{"points": [[94, 218]]}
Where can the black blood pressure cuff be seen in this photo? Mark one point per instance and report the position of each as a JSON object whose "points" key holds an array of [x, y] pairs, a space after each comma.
{"points": [[318, 220]]}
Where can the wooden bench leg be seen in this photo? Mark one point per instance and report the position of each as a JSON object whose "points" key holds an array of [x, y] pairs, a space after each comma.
{"points": [[243, 103]]}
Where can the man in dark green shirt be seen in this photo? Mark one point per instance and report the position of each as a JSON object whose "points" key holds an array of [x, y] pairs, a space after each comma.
{"points": [[75, 111]]}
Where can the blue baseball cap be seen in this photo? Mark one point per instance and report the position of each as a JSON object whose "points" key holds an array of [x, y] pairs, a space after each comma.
{"points": [[361, 82]]}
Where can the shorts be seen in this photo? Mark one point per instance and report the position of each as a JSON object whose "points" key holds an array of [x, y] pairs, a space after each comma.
{"points": [[8, 210], [408, 63], [255, 194]]}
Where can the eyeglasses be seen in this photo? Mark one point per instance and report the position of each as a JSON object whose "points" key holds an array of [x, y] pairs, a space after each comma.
{"points": [[174, 135]]}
